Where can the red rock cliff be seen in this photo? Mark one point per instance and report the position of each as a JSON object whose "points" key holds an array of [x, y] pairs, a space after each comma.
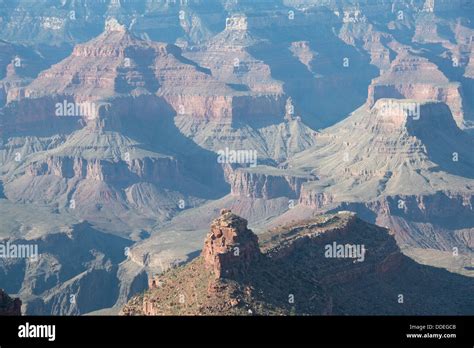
{"points": [[230, 247]]}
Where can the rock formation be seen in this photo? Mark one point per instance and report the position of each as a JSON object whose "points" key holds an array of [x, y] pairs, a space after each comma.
{"points": [[230, 247], [88, 103], [413, 77], [294, 273]]}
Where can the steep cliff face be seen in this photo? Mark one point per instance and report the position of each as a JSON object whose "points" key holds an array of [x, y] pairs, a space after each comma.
{"points": [[108, 102], [161, 170], [434, 222], [267, 185], [357, 31], [412, 77], [308, 267], [37, 114], [228, 109], [302, 50], [94, 187], [230, 247]]}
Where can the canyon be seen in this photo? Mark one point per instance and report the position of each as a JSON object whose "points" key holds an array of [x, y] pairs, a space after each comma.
{"points": [[114, 116]]}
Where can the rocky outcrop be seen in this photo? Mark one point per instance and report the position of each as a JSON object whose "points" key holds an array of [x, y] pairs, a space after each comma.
{"points": [[9, 306], [230, 247], [408, 137], [315, 236], [309, 267]]}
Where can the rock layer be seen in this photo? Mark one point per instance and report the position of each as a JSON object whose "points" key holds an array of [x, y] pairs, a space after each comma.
{"points": [[413, 77]]}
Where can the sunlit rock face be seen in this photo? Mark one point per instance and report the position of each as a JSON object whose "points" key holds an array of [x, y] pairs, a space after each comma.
{"points": [[230, 247]]}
